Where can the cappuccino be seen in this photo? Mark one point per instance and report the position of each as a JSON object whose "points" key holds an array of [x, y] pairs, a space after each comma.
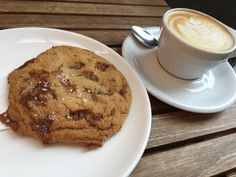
{"points": [[200, 31]]}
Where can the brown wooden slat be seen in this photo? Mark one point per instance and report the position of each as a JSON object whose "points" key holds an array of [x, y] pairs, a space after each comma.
{"points": [[117, 49], [108, 37], [79, 8], [232, 174], [178, 126], [201, 159], [75, 22], [159, 107], [134, 2]]}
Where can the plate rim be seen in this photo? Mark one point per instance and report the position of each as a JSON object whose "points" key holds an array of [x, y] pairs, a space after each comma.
{"points": [[123, 62]]}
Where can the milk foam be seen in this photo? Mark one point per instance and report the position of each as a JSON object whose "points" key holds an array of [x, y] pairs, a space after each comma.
{"points": [[200, 31]]}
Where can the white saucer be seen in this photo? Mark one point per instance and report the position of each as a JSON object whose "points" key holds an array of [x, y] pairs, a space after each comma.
{"points": [[214, 92]]}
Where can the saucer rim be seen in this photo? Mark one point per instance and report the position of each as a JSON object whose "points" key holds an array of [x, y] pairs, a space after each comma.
{"points": [[162, 96]]}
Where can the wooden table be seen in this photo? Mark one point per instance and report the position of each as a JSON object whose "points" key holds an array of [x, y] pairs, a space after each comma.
{"points": [[181, 143]]}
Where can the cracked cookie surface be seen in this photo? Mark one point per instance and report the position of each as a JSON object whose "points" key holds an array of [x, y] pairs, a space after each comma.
{"points": [[67, 94]]}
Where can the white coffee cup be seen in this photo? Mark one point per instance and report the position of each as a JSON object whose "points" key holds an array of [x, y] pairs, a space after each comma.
{"points": [[191, 43]]}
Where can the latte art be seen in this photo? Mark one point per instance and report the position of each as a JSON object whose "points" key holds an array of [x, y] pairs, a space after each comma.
{"points": [[200, 31]]}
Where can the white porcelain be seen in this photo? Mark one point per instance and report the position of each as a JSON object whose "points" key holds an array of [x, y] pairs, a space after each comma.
{"points": [[23, 156], [213, 92], [2, 127], [183, 60]]}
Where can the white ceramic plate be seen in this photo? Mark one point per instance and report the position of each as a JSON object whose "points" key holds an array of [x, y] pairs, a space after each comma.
{"points": [[214, 92], [25, 157]]}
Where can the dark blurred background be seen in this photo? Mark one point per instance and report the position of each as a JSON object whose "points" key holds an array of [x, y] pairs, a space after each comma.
{"points": [[223, 10]]}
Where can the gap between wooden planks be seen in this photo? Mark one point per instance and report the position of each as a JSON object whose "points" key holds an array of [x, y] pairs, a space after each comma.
{"points": [[124, 2], [43, 7], [232, 174], [76, 22], [179, 126], [202, 159]]}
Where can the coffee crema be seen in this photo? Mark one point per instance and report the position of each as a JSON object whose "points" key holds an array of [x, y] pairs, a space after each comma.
{"points": [[200, 31]]}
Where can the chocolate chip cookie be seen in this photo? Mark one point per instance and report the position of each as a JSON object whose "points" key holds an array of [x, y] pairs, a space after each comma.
{"points": [[67, 94]]}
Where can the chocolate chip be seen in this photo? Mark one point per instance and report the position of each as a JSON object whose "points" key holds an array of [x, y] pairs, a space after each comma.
{"points": [[86, 114], [94, 97], [123, 90], [98, 117], [90, 75], [66, 83], [113, 111], [39, 94], [101, 66], [95, 118], [80, 114], [58, 71], [39, 74], [77, 66], [42, 86], [42, 128], [112, 80], [5, 119]]}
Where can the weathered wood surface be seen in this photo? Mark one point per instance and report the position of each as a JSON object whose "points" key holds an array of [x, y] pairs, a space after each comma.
{"points": [[175, 127], [206, 158], [29, 7], [75, 21], [181, 143], [124, 2], [232, 174]]}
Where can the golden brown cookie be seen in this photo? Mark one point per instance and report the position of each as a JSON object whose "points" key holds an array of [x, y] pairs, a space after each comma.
{"points": [[68, 95]]}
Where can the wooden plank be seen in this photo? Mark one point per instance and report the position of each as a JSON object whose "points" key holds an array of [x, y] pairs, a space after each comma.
{"points": [[79, 8], [179, 126], [232, 174], [117, 49], [108, 37], [206, 158], [125, 2], [159, 107], [75, 22]]}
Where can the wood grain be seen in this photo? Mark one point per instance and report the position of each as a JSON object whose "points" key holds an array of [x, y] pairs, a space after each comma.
{"points": [[173, 148], [64, 8], [124, 2], [75, 22], [232, 174], [179, 126], [201, 159], [159, 107], [117, 49], [108, 37]]}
